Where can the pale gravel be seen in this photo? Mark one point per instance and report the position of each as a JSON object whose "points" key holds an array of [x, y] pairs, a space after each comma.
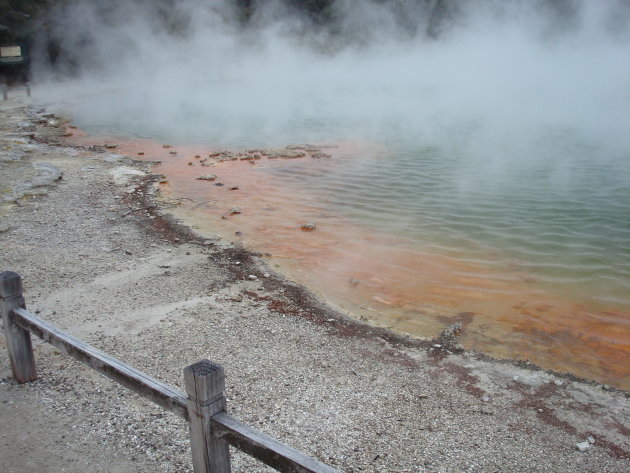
{"points": [[361, 401]]}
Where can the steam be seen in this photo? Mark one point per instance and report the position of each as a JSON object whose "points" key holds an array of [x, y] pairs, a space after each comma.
{"points": [[502, 73]]}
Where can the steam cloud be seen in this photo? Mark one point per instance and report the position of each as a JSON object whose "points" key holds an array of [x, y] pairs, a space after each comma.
{"points": [[493, 69]]}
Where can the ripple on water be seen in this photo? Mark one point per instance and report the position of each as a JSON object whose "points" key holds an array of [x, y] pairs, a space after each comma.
{"points": [[544, 264]]}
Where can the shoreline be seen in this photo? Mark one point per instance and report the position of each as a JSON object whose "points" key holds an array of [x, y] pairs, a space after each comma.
{"points": [[157, 295], [502, 314]]}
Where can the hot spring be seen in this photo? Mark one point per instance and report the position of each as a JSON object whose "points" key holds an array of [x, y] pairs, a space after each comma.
{"points": [[482, 177]]}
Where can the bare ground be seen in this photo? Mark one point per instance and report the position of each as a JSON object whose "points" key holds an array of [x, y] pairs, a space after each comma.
{"points": [[101, 259]]}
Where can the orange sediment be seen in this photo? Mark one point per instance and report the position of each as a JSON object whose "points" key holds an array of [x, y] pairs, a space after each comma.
{"points": [[385, 278]]}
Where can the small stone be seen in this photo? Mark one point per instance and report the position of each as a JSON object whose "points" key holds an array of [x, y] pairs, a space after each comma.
{"points": [[437, 345], [485, 398], [582, 446], [515, 378], [541, 410], [557, 382], [234, 211], [308, 227], [252, 277], [590, 439], [266, 275], [207, 177], [354, 282], [233, 188]]}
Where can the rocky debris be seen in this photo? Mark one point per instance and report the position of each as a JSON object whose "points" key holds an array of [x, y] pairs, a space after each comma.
{"points": [[207, 177], [288, 152], [285, 154], [20, 179], [448, 337], [354, 282], [122, 175], [308, 227], [234, 211], [319, 155], [583, 446], [110, 145]]}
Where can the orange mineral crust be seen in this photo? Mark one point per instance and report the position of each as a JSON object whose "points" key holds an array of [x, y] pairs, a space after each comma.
{"points": [[386, 279]]}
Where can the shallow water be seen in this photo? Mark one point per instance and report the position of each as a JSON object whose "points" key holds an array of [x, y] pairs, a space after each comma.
{"points": [[533, 258]]}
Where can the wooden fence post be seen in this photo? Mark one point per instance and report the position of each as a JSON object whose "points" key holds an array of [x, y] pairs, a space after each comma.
{"points": [[18, 340], [205, 383], [5, 92], [28, 89]]}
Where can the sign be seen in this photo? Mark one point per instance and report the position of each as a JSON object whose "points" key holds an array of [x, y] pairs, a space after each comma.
{"points": [[11, 55]]}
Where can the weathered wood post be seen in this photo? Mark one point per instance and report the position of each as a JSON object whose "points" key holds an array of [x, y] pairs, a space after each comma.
{"points": [[205, 383], [18, 340], [5, 92], [28, 89]]}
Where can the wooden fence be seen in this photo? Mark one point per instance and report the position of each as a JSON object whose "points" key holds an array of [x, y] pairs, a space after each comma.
{"points": [[203, 405]]}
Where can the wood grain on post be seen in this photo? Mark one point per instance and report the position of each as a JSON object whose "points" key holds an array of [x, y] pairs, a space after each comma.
{"points": [[19, 343], [205, 383]]}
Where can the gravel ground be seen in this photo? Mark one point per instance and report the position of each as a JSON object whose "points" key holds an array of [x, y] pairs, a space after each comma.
{"points": [[101, 258]]}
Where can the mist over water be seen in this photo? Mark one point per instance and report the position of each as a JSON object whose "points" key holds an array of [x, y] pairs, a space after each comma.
{"points": [[521, 110], [490, 131], [499, 73]]}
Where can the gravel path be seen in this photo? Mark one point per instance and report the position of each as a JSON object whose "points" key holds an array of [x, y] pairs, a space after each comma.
{"points": [[100, 258]]}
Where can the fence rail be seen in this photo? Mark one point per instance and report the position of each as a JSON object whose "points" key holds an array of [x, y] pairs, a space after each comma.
{"points": [[203, 405]]}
